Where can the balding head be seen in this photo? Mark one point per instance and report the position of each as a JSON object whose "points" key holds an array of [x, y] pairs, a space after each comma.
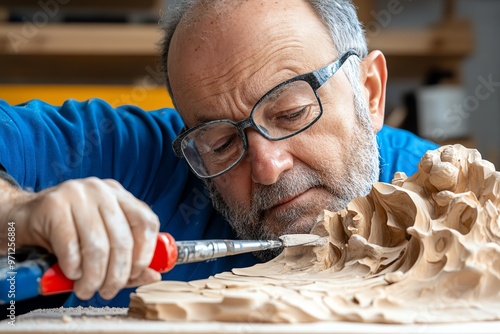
{"points": [[338, 15], [222, 49]]}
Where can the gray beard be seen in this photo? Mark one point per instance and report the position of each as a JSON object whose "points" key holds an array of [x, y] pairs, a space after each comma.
{"points": [[361, 172]]}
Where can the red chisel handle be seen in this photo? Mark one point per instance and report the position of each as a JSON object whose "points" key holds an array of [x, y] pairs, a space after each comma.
{"points": [[165, 256]]}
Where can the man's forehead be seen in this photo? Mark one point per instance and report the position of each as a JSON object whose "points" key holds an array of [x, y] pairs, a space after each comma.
{"points": [[251, 50], [231, 24], [218, 10]]}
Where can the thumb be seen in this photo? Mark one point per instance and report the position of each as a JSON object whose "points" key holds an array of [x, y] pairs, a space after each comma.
{"points": [[147, 276]]}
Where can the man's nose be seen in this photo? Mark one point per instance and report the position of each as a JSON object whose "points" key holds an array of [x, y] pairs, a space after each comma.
{"points": [[268, 159]]}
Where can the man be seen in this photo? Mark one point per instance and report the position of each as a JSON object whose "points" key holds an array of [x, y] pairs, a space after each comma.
{"points": [[281, 104]]}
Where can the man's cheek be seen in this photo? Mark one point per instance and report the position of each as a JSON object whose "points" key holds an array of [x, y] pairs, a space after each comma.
{"points": [[234, 186], [228, 191]]}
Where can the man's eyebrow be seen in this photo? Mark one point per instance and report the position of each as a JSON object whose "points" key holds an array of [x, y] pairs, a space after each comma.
{"points": [[205, 117], [274, 95], [200, 119]]}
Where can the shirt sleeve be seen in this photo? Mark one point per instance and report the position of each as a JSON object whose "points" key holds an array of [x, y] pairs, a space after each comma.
{"points": [[43, 145]]}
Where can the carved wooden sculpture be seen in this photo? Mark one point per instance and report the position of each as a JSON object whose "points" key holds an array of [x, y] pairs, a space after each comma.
{"points": [[423, 249]]}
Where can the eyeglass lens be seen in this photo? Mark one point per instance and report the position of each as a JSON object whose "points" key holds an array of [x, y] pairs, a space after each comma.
{"points": [[283, 112]]}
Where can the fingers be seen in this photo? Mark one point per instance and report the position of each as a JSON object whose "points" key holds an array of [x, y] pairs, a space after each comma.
{"points": [[103, 236], [107, 246], [131, 229], [62, 235], [92, 234], [95, 253], [121, 244], [65, 245], [147, 276], [144, 225]]}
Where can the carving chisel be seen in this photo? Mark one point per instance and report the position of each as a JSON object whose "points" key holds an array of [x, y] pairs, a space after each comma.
{"points": [[168, 253], [40, 274]]}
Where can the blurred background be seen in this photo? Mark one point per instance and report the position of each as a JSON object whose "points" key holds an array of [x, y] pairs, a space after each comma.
{"points": [[443, 59]]}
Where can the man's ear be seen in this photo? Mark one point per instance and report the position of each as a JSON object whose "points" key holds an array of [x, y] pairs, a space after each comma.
{"points": [[374, 78]]}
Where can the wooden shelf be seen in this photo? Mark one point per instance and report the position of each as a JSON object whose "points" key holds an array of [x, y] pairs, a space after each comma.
{"points": [[453, 39], [120, 53], [449, 39], [411, 52], [80, 39]]}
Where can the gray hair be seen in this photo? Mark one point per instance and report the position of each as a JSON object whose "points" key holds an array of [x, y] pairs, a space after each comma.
{"points": [[338, 15]]}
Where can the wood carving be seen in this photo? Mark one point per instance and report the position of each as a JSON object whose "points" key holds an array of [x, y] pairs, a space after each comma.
{"points": [[424, 249]]}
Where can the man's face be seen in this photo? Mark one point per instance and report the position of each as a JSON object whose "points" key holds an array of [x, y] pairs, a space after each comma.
{"points": [[222, 64]]}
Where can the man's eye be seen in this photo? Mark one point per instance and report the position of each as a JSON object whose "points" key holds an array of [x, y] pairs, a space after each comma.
{"points": [[292, 115], [224, 144]]}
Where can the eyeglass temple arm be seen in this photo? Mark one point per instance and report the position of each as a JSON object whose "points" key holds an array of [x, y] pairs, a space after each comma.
{"points": [[329, 70]]}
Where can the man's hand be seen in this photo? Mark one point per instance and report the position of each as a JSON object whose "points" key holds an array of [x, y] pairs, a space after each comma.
{"points": [[102, 236]]}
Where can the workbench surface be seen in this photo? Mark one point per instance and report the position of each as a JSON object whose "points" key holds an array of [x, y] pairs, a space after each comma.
{"points": [[115, 320]]}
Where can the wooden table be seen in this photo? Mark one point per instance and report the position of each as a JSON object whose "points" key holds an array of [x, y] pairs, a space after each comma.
{"points": [[115, 320]]}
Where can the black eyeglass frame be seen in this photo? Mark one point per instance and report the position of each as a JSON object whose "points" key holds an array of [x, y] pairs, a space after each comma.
{"points": [[315, 79]]}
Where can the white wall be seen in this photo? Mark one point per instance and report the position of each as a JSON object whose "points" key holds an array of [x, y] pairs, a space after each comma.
{"points": [[484, 63]]}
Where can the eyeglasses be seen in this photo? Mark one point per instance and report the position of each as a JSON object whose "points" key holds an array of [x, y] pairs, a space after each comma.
{"points": [[213, 148]]}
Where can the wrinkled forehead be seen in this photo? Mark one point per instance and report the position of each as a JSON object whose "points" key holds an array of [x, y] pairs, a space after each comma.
{"points": [[226, 56]]}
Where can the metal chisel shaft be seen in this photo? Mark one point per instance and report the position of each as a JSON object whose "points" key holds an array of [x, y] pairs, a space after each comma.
{"points": [[200, 250]]}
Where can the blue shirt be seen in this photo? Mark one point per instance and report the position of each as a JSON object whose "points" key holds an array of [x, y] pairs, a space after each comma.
{"points": [[43, 145]]}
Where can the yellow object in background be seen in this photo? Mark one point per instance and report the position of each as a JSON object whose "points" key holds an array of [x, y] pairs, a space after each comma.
{"points": [[147, 98]]}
